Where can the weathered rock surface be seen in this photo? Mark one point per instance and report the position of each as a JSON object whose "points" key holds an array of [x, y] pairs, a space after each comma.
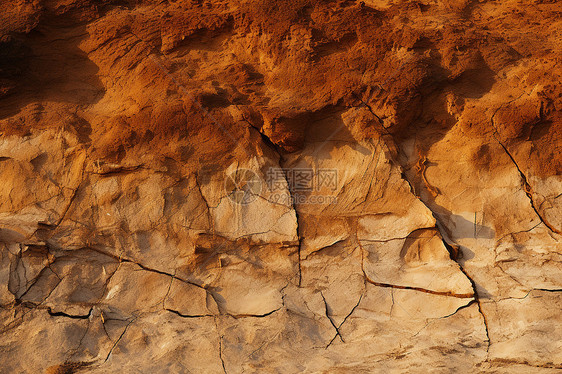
{"points": [[280, 186]]}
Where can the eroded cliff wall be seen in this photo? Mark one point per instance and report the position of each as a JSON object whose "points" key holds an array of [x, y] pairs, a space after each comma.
{"points": [[280, 186]]}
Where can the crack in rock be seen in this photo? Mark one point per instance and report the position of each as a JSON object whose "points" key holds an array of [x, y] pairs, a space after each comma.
{"points": [[478, 302], [344, 320], [441, 227], [277, 150], [470, 303], [419, 289], [63, 314], [188, 315], [220, 337], [72, 196], [146, 268], [119, 339], [526, 186], [327, 312], [235, 316]]}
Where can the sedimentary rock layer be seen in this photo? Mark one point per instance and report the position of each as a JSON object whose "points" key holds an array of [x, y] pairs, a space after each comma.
{"points": [[280, 186]]}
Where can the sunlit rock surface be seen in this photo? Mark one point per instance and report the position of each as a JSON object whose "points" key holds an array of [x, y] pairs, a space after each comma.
{"points": [[279, 186]]}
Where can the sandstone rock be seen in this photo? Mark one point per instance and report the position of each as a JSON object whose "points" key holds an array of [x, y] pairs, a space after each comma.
{"points": [[280, 186]]}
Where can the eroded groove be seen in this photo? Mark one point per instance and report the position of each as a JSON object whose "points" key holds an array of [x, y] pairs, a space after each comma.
{"points": [[548, 365], [119, 170]]}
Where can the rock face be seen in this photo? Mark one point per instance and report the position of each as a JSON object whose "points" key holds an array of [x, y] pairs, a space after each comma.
{"points": [[280, 186]]}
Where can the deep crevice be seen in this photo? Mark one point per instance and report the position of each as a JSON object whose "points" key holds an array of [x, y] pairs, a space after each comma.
{"points": [[277, 149], [479, 304], [454, 252], [63, 314]]}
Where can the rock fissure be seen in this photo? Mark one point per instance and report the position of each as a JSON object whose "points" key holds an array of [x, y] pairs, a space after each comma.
{"points": [[440, 293], [189, 315], [479, 304], [72, 196], [119, 121], [121, 259], [470, 303], [277, 150], [211, 220], [66, 315], [249, 315], [454, 257], [119, 339], [220, 337], [524, 181], [327, 313], [344, 320]]}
